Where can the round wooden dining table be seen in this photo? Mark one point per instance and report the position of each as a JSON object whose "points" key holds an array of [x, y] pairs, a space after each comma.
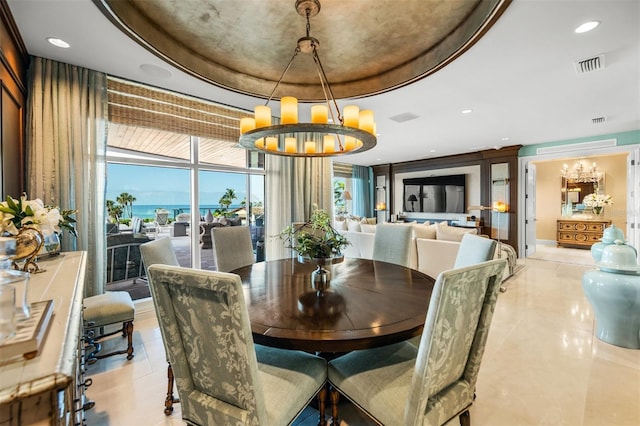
{"points": [[368, 304]]}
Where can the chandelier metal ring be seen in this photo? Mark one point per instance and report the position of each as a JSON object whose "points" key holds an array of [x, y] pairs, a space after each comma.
{"points": [[248, 140]]}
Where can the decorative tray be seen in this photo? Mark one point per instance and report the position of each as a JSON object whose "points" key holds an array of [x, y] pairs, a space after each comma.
{"points": [[30, 333]]}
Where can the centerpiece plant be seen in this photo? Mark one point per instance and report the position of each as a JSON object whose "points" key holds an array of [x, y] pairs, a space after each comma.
{"points": [[315, 238]]}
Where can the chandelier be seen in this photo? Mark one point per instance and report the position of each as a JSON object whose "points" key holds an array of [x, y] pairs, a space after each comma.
{"points": [[580, 174], [353, 131]]}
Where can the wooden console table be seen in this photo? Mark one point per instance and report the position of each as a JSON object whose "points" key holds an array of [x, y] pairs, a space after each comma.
{"points": [[580, 233], [48, 389]]}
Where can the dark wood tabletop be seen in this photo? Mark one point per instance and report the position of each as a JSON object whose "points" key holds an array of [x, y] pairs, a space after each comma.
{"points": [[368, 304]]}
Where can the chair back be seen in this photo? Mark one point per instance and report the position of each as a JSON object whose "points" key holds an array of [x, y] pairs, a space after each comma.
{"points": [[162, 217], [392, 244], [183, 218], [136, 225], [158, 252], [474, 249], [453, 341], [206, 324], [232, 247]]}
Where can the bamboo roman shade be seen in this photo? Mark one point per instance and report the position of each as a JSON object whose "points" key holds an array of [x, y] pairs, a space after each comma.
{"points": [[137, 105]]}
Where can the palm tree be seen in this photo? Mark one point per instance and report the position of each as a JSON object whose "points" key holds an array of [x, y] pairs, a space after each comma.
{"points": [[226, 200], [114, 211], [127, 200]]}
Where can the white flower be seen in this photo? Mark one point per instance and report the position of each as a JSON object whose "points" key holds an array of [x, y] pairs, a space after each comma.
{"points": [[597, 200], [15, 214]]}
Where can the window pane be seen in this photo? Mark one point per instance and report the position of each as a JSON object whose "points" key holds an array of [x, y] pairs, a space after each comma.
{"points": [[152, 187], [222, 152], [223, 195], [148, 141]]}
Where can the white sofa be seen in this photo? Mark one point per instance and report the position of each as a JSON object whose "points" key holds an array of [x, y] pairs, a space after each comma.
{"points": [[429, 254]]}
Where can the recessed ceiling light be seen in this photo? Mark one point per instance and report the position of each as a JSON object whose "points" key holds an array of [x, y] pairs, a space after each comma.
{"points": [[504, 139], [586, 27], [466, 111], [432, 150], [58, 42]]}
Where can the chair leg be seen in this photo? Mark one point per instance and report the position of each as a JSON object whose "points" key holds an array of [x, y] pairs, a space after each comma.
{"points": [[322, 398], [169, 400], [465, 418], [335, 399], [129, 331]]}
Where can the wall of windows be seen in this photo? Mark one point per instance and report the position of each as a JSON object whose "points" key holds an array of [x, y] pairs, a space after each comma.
{"points": [[180, 154]]}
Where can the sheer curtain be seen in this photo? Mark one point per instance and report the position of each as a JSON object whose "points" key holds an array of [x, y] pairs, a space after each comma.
{"points": [[362, 191], [294, 187], [65, 149]]}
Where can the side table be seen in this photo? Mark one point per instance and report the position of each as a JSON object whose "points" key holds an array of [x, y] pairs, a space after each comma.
{"points": [[205, 235]]}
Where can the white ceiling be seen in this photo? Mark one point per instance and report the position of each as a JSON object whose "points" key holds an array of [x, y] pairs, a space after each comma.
{"points": [[519, 79]]}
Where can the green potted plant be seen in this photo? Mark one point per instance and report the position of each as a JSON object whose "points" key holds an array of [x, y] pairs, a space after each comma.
{"points": [[316, 241], [316, 238]]}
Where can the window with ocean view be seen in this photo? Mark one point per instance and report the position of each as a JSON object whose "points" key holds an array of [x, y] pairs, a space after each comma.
{"points": [[176, 165]]}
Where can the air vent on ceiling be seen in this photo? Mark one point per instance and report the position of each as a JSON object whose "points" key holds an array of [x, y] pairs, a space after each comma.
{"points": [[589, 65], [405, 116], [598, 120]]}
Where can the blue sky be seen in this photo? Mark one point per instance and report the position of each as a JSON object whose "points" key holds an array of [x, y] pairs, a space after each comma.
{"points": [[167, 186]]}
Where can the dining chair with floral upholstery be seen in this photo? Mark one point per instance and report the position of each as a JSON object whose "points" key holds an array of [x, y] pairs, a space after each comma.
{"points": [[392, 244], [222, 378], [402, 384], [161, 252]]}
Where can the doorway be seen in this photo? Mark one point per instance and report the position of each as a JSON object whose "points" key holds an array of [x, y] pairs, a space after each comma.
{"points": [[541, 192]]}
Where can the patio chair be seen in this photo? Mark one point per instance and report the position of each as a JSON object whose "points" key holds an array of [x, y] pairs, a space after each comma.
{"points": [[162, 220], [222, 377]]}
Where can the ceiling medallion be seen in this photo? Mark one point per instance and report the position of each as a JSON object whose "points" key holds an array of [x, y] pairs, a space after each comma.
{"points": [[319, 138]]}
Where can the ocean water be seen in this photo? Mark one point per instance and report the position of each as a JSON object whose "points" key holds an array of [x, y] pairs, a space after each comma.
{"points": [[148, 211]]}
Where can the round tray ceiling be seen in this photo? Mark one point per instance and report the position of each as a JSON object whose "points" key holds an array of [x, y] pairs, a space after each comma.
{"points": [[366, 47]]}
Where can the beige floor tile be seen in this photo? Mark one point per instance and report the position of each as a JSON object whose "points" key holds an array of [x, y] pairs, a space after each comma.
{"points": [[542, 365]]}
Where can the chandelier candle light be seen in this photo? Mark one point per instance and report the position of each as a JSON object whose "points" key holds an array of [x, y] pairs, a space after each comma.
{"points": [[354, 133]]}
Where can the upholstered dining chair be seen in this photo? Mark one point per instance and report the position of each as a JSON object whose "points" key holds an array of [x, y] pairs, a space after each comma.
{"points": [[222, 377], [161, 252], [400, 384], [392, 244], [474, 249], [232, 247]]}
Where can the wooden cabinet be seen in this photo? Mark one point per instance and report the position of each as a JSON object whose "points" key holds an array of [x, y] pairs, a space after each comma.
{"points": [[48, 389], [14, 61], [580, 233]]}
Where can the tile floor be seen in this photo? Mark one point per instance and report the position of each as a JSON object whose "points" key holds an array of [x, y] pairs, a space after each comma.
{"points": [[542, 364]]}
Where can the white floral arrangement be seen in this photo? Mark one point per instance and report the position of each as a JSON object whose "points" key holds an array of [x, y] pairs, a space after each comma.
{"points": [[597, 200], [16, 214]]}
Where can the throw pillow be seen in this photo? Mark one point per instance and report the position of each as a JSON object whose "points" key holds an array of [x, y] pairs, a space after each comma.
{"points": [[369, 229], [428, 232], [340, 225], [452, 233], [370, 220], [353, 225]]}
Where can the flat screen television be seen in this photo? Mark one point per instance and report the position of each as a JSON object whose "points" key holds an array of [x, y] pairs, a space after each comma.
{"points": [[435, 194]]}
